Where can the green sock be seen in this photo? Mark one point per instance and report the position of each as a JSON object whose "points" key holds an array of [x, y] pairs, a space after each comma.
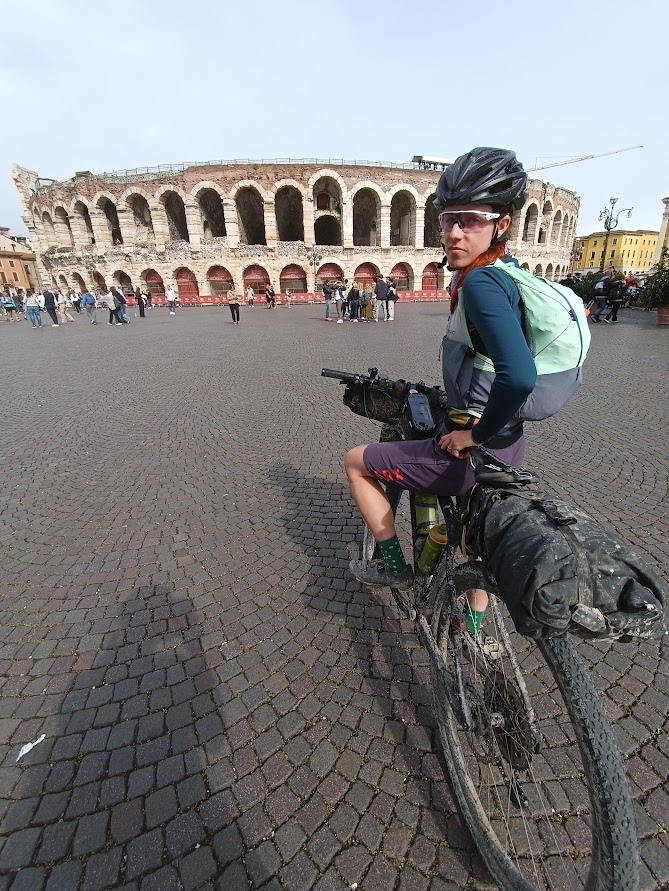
{"points": [[392, 554], [474, 619]]}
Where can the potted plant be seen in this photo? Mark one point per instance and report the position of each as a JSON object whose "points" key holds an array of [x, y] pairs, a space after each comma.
{"points": [[655, 292]]}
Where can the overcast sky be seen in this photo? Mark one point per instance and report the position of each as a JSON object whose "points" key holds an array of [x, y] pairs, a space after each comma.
{"points": [[105, 86]]}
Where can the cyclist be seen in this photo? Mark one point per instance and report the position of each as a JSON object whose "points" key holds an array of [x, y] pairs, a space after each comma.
{"points": [[476, 197]]}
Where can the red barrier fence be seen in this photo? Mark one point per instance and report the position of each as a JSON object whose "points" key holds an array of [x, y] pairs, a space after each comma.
{"points": [[221, 300]]}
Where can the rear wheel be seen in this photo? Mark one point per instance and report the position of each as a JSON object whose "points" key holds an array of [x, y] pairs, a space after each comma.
{"points": [[538, 777]]}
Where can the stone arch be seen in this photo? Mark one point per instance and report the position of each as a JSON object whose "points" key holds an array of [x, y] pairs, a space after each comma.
{"points": [[402, 275], [293, 277], [327, 230], [556, 231], [432, 235], [251, 215], [124, 282], [63, 284], [107, 205], [566, 223], [328, 271], [256, 277], [538, 270], [100, 281], [544, 225], [403, 217], [153, 282], [212, 211], [138, 205], [80, 211], [430, 277], [366, 215], [175, 211], [186, 280], [79, 282], [530, 224], [49, 229], [525, 266], [220, 280], [288, 208], [326, 174], [549, 271], [283, 183], [366, 274], [63, 227]]}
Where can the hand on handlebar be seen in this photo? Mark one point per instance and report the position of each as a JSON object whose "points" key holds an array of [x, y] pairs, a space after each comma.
{"points": [[457, 443]]}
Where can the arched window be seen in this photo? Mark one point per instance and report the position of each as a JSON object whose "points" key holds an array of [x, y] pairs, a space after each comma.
{"points": [[100, 282], [176, 216], [366, 274], [366, 218], [63, 285], [213, 215], [430, 277], [81, 210], [62, 223], [402, 218], [251, 215], [432, 235], [557, 229], [186, 283], [125, 283], [328, 272], [154, 283], [323, 201], [327, 231], [257, 278], [400, 275], [538, 270], [295, 278], [289, 216], [109, 209], [79, 283], [545, 222], [141, 214], [530, 227], [220, 280], [549, 271]]}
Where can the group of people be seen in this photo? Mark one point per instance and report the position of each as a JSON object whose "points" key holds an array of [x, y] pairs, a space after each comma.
{"points": [[358, 303], [612, 291]]}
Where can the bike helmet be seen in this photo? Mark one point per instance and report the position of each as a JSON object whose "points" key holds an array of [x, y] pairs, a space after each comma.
{"points": [[483, 176]]}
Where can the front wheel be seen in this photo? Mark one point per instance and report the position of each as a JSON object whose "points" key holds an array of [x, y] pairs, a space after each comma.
{"points": [[538, 776]]}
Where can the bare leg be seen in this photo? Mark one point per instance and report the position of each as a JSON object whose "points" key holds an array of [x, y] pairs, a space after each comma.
{"points": [[369, 496]]}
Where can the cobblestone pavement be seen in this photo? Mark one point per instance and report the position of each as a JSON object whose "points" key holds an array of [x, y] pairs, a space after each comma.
{"points": [[223, 707]]}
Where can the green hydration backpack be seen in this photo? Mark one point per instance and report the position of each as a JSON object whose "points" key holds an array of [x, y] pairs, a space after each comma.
{"points": [[556, 330]]}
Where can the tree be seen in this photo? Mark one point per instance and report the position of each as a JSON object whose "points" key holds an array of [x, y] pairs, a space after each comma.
{"points": [[655, 292]]}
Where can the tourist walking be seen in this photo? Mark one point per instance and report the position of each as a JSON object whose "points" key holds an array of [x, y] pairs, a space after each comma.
{"points": [[354, 302], [139, 298], [250, 296], [617, 293], [391, 299], [327, 293], [270, 297], [339, 302], [10, 307], [171, 300], [64, 307], [107, 299], [289, 298], [381, 294], [50, 306], [233, 303], [88, 302], [75, 299], [32, 308], [148, 296], [602, 289]]}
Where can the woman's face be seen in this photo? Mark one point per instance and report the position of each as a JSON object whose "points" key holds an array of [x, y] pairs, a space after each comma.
{"points": [[463, 246]]}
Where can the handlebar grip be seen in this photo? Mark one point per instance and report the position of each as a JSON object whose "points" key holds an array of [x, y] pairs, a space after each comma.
{"points": [[339, 375]]}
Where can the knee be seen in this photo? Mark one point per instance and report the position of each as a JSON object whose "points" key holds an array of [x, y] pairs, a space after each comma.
{"points": [[354, 464]]}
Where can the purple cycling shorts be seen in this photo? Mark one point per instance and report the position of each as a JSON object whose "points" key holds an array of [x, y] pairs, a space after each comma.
{"points": [[421, 466]]}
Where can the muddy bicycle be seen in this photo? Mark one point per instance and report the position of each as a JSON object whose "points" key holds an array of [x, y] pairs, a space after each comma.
{"points": [[529, 750]]}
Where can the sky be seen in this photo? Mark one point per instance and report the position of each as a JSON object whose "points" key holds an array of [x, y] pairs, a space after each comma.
{"points": [[105, 86]]}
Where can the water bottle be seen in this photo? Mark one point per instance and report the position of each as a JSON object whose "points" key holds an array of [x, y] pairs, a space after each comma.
{"points": [[434, 545], [426, 514]]}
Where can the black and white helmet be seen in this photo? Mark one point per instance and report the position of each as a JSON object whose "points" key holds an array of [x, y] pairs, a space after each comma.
{"points": [[483, 176]]}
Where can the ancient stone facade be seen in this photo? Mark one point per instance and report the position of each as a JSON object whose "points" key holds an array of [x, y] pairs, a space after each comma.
{"points": [[204, 228]]}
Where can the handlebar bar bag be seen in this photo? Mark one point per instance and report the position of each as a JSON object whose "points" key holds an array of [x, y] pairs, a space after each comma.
{"points": [[368, 402], [558, 570]]}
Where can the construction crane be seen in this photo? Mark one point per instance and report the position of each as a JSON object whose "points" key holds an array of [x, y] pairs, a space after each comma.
{"points": [[629, 148]]}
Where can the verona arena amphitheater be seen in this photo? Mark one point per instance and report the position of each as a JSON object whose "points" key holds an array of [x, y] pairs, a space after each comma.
{"points": [[204, 228]]}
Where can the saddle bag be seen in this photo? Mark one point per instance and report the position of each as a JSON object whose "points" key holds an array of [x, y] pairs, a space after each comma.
{"points": [[558, 570]]}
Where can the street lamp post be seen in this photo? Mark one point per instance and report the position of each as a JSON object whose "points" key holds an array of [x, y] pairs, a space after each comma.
{"points": [[314, 257], [611, 222]]}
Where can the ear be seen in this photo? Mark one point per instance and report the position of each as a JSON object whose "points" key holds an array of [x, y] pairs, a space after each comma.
{"points": [[504, 224]]}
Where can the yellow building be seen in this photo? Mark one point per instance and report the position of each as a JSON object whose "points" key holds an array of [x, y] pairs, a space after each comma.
{"points": [[17, 263], [626, 251]]}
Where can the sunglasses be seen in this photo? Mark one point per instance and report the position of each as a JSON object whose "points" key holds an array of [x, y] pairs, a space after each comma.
{"points": [[467, 220]]}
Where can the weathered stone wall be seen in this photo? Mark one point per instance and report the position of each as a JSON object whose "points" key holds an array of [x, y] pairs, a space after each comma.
{"points": [[128, 227]]}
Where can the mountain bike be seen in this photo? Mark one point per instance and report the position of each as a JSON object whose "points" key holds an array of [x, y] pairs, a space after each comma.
{"points": [[529, 750]]}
